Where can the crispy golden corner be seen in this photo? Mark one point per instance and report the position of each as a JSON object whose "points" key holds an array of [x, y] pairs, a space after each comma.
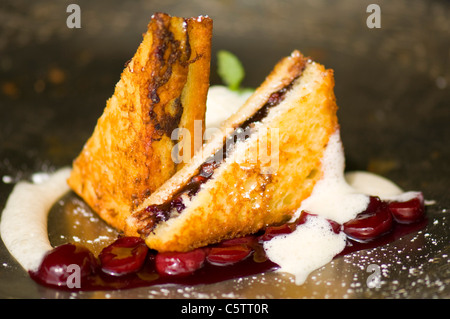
{"points": [[163, 87]]}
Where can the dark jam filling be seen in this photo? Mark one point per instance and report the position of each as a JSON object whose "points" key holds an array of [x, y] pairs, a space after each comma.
{"points": [[128, 263], [154, 214]]}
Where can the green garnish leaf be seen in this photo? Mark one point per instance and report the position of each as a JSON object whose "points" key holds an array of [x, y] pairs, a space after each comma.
{"points": [[230, 69]]}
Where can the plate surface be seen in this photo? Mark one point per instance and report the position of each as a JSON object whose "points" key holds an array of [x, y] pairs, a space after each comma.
{"points": [[392, 87]]}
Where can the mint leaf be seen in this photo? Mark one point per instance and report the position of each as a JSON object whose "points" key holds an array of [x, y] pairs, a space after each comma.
{"points": [[230, 69]]}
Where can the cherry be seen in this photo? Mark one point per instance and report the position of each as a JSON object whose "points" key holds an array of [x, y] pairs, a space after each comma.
{"points": [[409, 211], [198, 179], [371, 223], [303, 217], [288, 228], [273, 231], [124, 256], [179, 263], [335, 226], [224, 255], [178, 204], [58, 264], [207, 169], [157, 212], [249, 241]]}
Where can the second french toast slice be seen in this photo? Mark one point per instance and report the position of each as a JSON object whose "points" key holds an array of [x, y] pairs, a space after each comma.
{"points": [[162, 88]]}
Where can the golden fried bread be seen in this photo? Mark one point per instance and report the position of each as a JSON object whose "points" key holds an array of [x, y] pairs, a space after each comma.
{"points": [[163, 87], [264, 176]]}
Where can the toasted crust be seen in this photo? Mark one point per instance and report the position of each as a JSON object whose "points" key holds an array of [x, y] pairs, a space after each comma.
{"points": [[283, 73], [163, 87], [243, 197]]}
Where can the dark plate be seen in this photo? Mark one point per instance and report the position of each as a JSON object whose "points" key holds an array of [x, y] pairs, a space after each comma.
{"points": [[392, 87]]}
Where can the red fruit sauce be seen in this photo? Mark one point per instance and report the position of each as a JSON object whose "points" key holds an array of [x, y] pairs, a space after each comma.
{"points": [[125, 256], [128, 263]]}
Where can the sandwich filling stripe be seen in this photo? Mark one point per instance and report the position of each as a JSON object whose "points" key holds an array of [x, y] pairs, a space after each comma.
{"points": [[172, 50]]}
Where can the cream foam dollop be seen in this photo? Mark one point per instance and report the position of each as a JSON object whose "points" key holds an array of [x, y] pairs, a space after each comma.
{"points": [[332, 196], [23, 225], [312, 245], [221, 103], [337, 196]]}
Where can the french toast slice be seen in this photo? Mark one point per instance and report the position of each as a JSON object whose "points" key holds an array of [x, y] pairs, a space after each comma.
{"points": [[258, 179], [162, 88]]}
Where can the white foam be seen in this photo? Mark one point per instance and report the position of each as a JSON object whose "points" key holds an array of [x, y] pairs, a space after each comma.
{"points": [[221, 103], [373, 184], [23, 225], [333, 197], [336, 196], [312, 245]]}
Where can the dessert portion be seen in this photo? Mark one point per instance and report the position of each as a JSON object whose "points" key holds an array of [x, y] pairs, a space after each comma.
{"points": [[255, 172], [268, 191], [163, 87]]}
